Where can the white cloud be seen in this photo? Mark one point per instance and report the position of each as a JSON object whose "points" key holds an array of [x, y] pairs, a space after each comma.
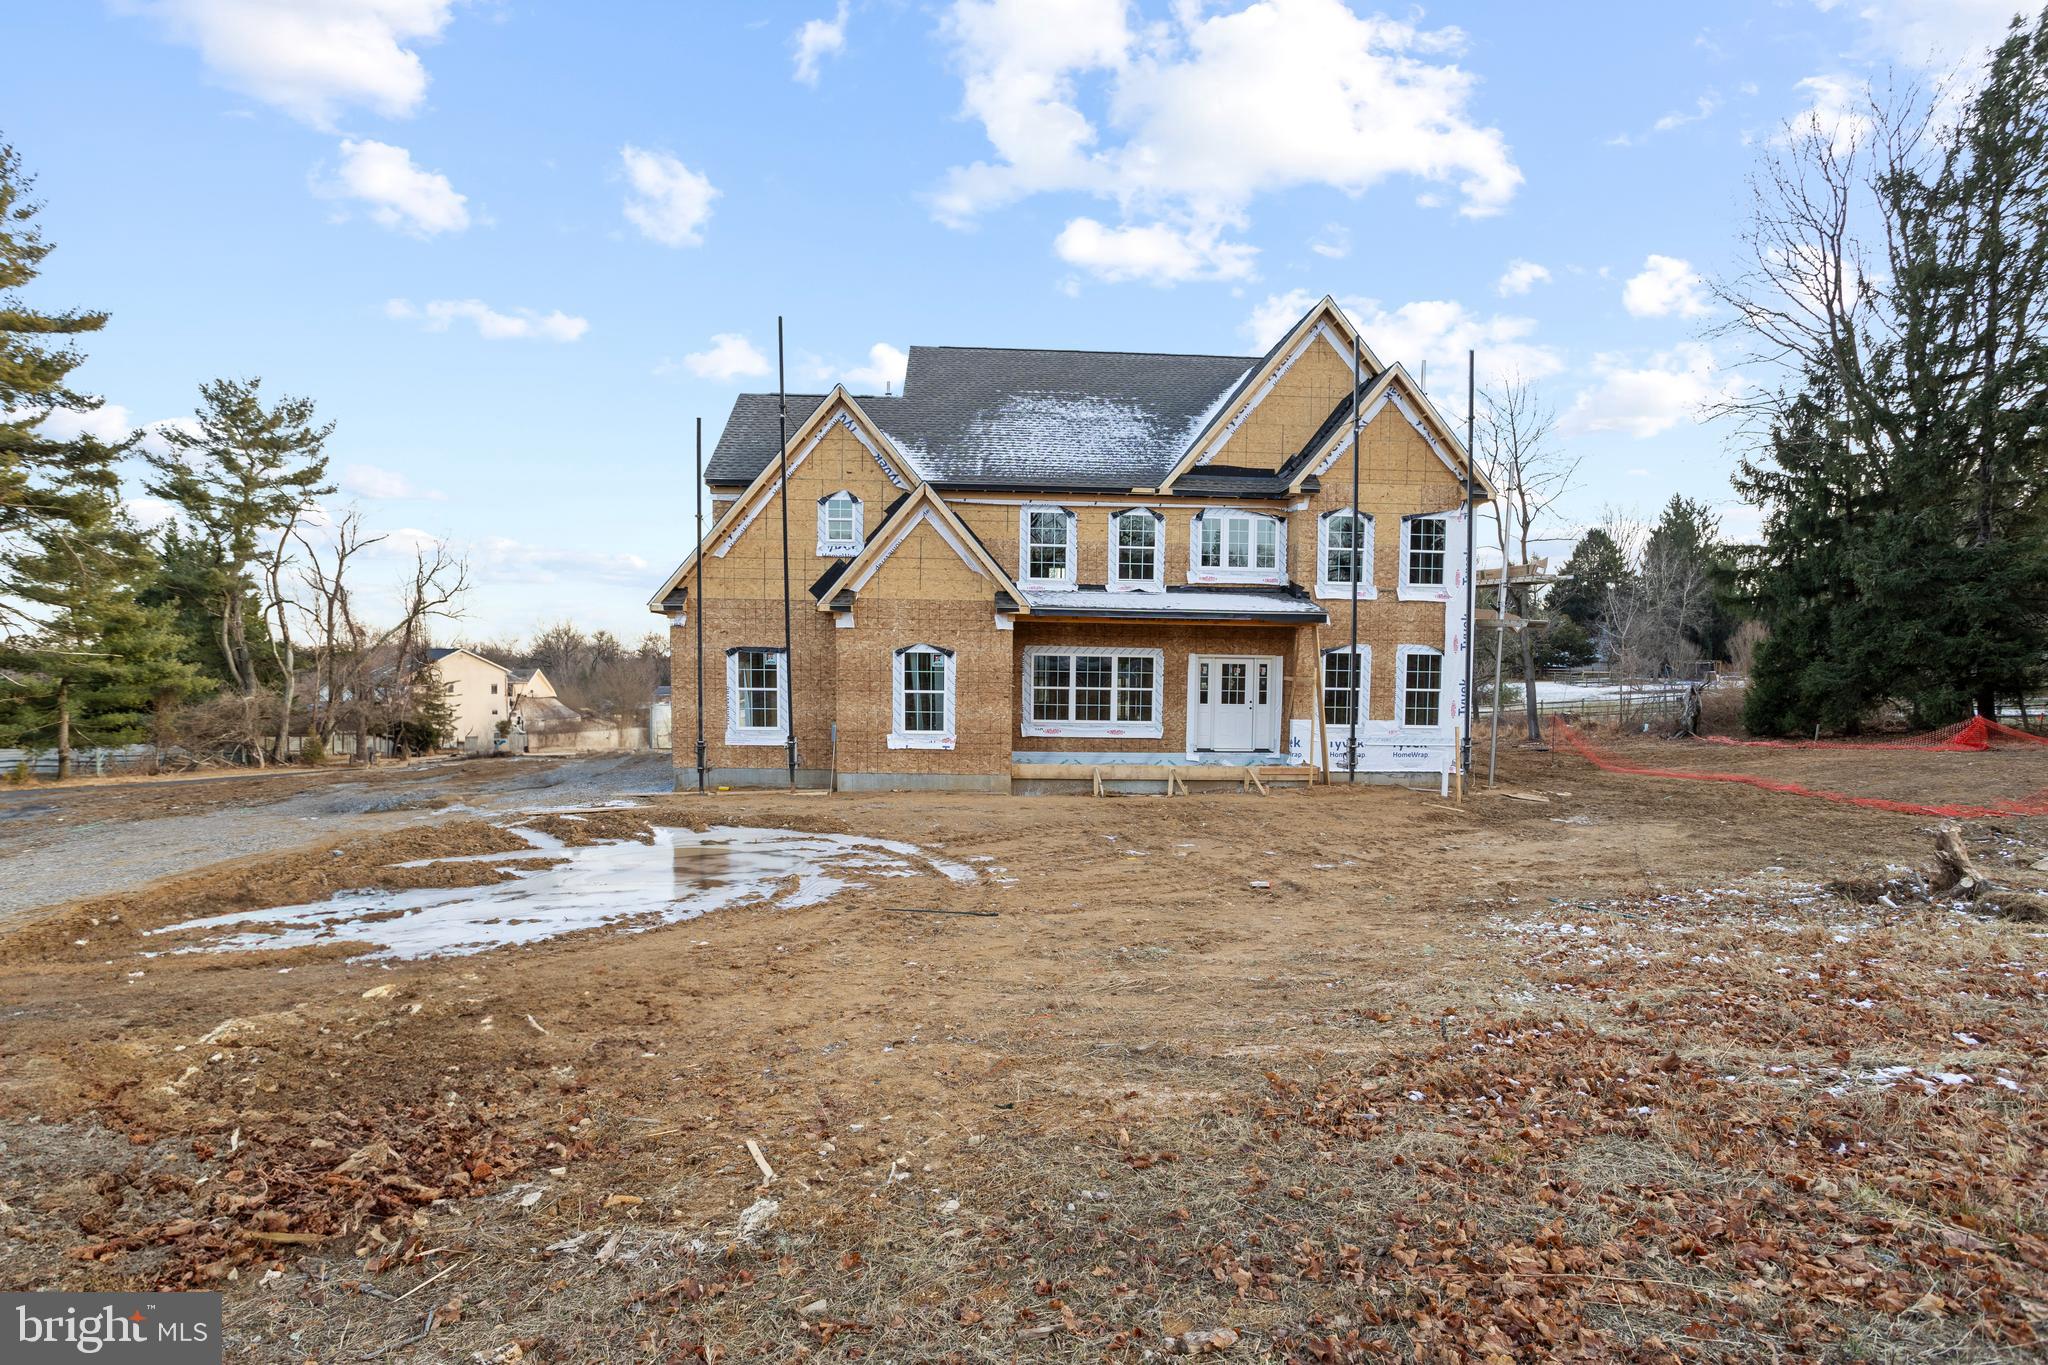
{"points": [[108, 424], [817, 40], [1678, 385], [1154, 252], [1520, 277], [311, 58], [371, 481], [670, 203], [1666, 285], [1837, 108], [730, 356], [495, 560], [524, 324], [1703, 108], [1439, 332], [150, 513], [1203, 113], [400, 195], [886, 365], [1334, 243], [153, 441], [1934, 35]]}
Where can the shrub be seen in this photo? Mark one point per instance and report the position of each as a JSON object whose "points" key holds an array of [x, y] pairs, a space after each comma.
{"points": [[313, 751]]}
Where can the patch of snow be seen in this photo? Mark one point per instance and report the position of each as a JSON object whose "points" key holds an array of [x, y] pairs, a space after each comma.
{"points": [[629, 885]]}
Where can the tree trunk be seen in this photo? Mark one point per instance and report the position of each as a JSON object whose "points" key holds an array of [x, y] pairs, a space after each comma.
{"points": [[1534, 717], [283, 752], [63, 730]]}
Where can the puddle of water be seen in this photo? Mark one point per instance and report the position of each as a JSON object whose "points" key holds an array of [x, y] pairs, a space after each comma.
{"points": [[628, 885]]}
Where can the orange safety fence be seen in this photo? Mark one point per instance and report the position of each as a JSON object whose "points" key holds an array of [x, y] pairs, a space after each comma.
{"points": [[1974, 735], [2034, 804]]}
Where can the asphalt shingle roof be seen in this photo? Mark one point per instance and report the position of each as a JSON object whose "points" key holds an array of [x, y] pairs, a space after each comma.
{"points": [[987, 417]]}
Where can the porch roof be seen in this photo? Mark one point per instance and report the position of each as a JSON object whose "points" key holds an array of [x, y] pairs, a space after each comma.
{"points": [[1288, 605]]}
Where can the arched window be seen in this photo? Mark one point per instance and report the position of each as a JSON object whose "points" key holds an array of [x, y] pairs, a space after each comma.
{"points": [[922, 684], [839, 525], [1232, 546], [756, 696], [1344, 554], [1046, 538], [1136, 551]]}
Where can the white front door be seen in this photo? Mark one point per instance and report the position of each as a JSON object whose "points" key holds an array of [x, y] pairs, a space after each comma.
{"points": [[1233, 703]]}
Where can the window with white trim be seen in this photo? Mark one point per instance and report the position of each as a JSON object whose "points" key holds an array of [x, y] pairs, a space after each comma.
{"points": [[1099, 691], [1344, 554], [1137, 550], [1425, 553], [1422, 687], [922, 681], [1240, 546], [1343, 670], [840, 517], [1047, 541], [756, 696]]}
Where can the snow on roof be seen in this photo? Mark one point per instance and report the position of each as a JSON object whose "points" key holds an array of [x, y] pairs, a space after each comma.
{"points": [[1017, 418]]}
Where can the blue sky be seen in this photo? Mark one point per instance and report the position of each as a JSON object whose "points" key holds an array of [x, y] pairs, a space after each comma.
{"points": [[514, 248]]}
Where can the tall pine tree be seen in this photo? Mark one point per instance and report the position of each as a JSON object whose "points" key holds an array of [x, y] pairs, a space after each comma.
{"points": [[1905, 558], [244, 475], [46, 478]]}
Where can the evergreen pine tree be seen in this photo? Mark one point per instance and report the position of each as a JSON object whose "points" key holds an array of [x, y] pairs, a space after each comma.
{"points": [[44, 478], [97, 662], [245, 474], [1904, 565], [1595, 568], [428, 720]]}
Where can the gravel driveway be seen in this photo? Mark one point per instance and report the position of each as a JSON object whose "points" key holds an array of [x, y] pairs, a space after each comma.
{"points": [[59, 844]]}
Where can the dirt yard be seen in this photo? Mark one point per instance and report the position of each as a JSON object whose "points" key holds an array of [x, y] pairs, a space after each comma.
{"points": [[1617, 1068]]}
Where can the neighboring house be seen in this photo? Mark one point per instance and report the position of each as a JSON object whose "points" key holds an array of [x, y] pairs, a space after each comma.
{"points": [[658, 719], [479, 693], [529, 682], [1032, 558]]}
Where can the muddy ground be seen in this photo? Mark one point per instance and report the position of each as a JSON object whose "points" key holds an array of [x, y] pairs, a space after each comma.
{"points": [[1629, 1069]]}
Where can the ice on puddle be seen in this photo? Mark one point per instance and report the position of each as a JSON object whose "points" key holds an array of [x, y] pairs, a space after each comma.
{"points": [[634, 886]]}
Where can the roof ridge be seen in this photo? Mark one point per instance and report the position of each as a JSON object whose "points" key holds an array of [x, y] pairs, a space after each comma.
{"points": [[1080, 350]]}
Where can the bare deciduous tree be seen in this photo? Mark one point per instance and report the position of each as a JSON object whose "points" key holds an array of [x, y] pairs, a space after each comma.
{"points": [[1518, 449]]}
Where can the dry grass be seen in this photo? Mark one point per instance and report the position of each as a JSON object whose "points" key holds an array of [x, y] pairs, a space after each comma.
{"points": [[1391, 1108]]}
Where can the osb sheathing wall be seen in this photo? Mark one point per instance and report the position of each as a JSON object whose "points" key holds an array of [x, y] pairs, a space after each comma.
{"points": [[1289, 415], [747, 624], [741, 598], [996, 525], [1401, 476], [1178, 643], [925, 594]]}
